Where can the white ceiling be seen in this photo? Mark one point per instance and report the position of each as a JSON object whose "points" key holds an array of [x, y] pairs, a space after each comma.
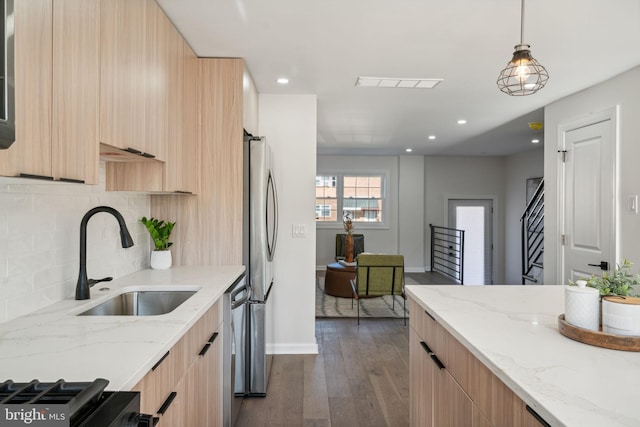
{"points": [[323, 46]]}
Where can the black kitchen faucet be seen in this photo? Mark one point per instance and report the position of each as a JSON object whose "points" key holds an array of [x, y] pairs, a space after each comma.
{"points": [[83, 285]]}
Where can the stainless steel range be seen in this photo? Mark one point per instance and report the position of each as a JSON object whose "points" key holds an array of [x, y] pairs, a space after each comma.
{"points": [[69, 404]]}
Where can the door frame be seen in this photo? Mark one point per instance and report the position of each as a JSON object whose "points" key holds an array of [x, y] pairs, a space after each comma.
{"points": [[610, 114], [496, 252]]}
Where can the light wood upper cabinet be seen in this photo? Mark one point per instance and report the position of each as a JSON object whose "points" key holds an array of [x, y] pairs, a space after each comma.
{"points": [[183, 145], [31, 152], [134, 76], [56, 81], [122, 86], [76, 86]]}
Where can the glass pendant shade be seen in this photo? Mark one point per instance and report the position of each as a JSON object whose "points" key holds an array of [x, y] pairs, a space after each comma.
{"points": [[523, 75]]}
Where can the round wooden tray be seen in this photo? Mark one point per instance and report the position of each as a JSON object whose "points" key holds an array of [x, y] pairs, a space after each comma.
{"points": [[598, 338]]}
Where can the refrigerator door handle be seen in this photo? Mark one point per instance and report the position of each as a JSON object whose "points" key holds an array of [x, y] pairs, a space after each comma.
{"points": [[272, 234], [237, 303]]}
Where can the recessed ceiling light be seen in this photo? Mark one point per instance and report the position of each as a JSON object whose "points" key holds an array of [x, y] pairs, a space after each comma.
{"points": [[408, 150], [397, 83], [432, 137], [462, 121], [283, 80], [535, 141]]}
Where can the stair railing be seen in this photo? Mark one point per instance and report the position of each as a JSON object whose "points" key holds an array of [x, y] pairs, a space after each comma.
{"points": [[532, 232], [447, 252]]}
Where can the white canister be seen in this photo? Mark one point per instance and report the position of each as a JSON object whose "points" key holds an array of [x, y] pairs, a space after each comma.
{"points": [[582, 306], [621, 315]]}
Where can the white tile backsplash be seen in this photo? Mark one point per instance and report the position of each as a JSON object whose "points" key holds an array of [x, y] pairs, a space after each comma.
{"points": [[40, 240]]}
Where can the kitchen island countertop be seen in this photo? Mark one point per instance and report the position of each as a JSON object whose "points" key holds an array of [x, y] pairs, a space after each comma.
{"points": [[513, 330], [54, 343]]}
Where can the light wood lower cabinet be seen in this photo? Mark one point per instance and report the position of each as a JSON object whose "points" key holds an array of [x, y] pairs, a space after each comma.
{"points": [[185, 386], [451, 387], [436, 398]]}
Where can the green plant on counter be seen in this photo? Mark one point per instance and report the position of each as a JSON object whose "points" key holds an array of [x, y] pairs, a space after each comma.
{"points": [[620, 282], [159, 231]]}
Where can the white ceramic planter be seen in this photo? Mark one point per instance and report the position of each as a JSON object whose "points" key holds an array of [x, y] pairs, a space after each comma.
{"points": [[621, 315], [161, 260]]}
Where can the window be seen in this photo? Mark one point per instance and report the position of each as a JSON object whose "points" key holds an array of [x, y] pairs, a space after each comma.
{"points": [[361, 196], [323, 211]]}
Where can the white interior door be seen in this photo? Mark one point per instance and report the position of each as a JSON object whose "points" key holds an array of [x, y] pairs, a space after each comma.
{"points": [[475, 218], [589, 200]]}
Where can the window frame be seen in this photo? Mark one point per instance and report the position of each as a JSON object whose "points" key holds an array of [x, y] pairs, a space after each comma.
{"points": [[384, 198]]}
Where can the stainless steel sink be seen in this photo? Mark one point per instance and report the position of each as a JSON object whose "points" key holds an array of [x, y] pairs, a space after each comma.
{"points": [[140, 303]]}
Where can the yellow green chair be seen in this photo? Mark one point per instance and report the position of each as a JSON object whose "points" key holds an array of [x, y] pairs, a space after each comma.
{"points": [[378, 275]]}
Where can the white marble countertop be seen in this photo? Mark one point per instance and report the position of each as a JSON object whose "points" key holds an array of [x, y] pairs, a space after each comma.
{"points": [[513, 330], [54, 343]]}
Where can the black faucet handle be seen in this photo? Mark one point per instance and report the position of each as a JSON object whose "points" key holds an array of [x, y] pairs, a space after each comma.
{"points": [[94, 281]]}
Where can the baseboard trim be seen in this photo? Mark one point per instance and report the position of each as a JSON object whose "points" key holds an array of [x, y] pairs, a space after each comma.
{"points": [[292, 348]]}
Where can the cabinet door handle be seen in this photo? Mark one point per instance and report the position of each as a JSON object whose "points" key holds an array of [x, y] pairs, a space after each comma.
{"points": [[76, 181], [160, 361], [133, 150], [167, 403], [536, 416], [31, 176], [204, 350], [426, 347], [427, 313], [213, 338], [148, 156], [437, 361]]}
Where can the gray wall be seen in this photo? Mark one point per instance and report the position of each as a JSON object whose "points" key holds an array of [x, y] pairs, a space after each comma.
{"points": [[466, 178], [519, 168], [621, 91]]}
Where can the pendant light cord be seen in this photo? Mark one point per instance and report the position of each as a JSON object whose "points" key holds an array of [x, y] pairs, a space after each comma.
{"points": [[522, 23]]}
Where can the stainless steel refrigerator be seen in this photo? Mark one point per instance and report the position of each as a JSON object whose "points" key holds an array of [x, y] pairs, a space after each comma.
{"points": [[259, 244]]}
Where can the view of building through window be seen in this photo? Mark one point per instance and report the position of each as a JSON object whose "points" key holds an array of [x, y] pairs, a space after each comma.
{"points": [[359, 195]]}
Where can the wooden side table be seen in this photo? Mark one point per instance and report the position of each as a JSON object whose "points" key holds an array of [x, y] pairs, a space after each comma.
{"points": [[337, 280]]}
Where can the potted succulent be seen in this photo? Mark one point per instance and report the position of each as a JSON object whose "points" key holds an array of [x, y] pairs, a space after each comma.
{"points": [[160, 232], [620, 282]]}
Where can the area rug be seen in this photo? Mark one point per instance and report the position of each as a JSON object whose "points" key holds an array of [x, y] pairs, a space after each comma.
{"points": [[330, 306]]}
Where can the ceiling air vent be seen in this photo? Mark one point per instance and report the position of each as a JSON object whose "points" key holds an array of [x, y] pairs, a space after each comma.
{"points": [[398, 83]]}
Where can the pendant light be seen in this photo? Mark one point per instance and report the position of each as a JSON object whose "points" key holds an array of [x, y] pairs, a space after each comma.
{"points": [[523, 74]]}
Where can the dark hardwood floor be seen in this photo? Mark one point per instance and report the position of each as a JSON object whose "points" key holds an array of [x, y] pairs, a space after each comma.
{"points": [[359, 378]]}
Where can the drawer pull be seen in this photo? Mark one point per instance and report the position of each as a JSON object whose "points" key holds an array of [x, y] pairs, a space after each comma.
{"points": [[437, 361], [133, 150], [204, 350], [426, 347], [213, 338], [427, 313], [536, 416], [160, 361], [148, 156], [167, 403]]}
